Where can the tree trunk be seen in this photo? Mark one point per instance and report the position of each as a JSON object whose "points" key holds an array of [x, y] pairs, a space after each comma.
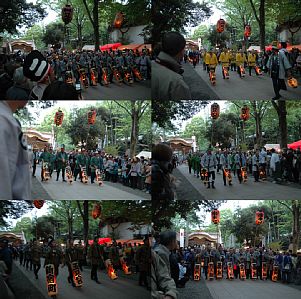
{"points": [[296, 225], [135, 130], [280, 107], [258, 125], [85, 215], [96, 25]]}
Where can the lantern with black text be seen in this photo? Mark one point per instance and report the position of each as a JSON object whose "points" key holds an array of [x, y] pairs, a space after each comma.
{"points": [[211, 270], [77, 276], [264, 270], [259, 218], [220, 26], [197, 272], [38, 203], [247, 31], [125, 267], [230, 270], [67, 14], [119, 18], [91, 117], [242, 271], [111, 272], [96, 212], [215, 110], [51, 280], [275, 273], [215, 216], [58, 118], [219, 270], [245, 113], [253, 271]]}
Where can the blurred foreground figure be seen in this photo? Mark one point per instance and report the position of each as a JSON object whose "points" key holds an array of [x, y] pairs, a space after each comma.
{"points": [[15, 166]]}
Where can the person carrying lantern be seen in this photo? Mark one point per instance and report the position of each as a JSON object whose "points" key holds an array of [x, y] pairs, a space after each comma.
{"points": [[211, 60], [240, 161], [224, 59], [62, 159], [225, 162], [45, 157], [81, 161], [240, 61], [94, 164], [95, 256], [209, 162], [54, 256], [70, 257], [252, 61]]}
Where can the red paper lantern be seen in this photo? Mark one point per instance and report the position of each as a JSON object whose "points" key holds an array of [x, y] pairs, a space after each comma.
{"points": [[259, 218], [245, 113], [96, 212], [247, 31], [67, 14], [220, 26], [38, 203], [215, 111], [215, 216], [119, 19], [58, 118], [91, 117]]}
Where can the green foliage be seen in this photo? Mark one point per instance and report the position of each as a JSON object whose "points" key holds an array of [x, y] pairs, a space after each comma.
{"points": [[25, 225], [15, 13], [12, 209], [54, 35], [112, 150], [192, 222], [35, 33]]}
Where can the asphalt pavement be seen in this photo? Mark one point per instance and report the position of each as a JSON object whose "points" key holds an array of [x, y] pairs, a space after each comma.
{"points": [[189, 187], [136, 91], [249, 88]]}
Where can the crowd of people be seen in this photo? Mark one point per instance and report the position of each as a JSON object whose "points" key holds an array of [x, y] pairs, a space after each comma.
{"points": [[193, 263], [35, 255], [261, 164], [63, 75], [134, 173]]}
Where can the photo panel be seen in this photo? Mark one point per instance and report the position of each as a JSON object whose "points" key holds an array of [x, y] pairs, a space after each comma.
{"points": [[226, 150], [74, 248], [237, 50], [76, 150], [234, 246]]}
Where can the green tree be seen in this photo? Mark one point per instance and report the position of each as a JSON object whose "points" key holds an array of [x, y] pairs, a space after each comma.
{"points": [[14, 13], [35, 33], [175, 15], [24, 225], [54, 35]]}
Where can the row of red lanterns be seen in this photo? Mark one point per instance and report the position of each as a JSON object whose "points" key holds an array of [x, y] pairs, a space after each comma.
{"points": [[59, 117], [221, 23], [215, 217], [244, 113]]}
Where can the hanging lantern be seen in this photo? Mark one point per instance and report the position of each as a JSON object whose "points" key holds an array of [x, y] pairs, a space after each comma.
{"points": [[259, 218], [220, 26], [119, 19], [245, 113], [248, 31], [58, 118], [215, 216], [96, 212], [91, 117], [67, 14], [215, 110], [38, 203], [292, 82]]}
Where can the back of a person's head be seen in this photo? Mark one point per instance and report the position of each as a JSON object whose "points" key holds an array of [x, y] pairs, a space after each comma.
{"points": [[173, 42], [167, 237], [162, 152]]}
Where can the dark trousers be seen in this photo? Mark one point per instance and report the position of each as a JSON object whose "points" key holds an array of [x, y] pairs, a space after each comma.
{"points": [[256, 176], [34, 167], [36, 268], [277, 85], [76, 172], [143, 278], [205, 271], [239, 175], [93, 175], [189, 168], [134, 181], [58, 173], [94, 273]]}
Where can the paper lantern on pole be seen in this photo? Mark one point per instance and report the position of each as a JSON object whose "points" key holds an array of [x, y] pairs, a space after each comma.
{"points": [[67, 14], [215, 216], [245, 113], [259, 218], [58, 118], [38, 203], [248, 31], [119, 19], [91, 117], [220, 26], [215, 110], [96, 212]]}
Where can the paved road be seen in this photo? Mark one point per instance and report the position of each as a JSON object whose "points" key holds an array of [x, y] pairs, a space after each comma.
{"points": [[188, 184], [254, 88], [122, 288], [136, 91], [64, 191]]}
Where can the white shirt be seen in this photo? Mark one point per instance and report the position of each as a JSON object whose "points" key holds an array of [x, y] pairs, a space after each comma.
{"points": [[274, 160], [15, 182], [182, 271]]}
